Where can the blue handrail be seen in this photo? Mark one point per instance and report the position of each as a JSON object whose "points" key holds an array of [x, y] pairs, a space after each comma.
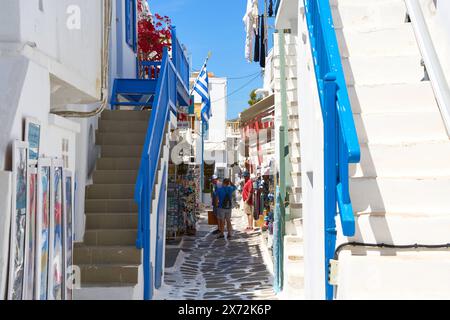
{"points": [[180, 59], [165, 100], [341, 146]]}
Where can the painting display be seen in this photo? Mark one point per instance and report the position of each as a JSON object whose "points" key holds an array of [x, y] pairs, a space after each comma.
{"points": [[56, 230], [68, 234], [42, 229], [33, 137], [5, 227], [18, 221], [30, 237]]}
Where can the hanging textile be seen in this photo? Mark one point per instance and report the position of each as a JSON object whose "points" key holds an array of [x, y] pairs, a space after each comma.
{"points": [[257, 44], [250, 26], [263, 38], [271, 8]]}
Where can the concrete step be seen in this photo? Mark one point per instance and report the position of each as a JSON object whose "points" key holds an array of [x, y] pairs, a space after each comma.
{"points": [[110, 206], [411, 97], [109, 273], [424, 159], [401, 228], [111, 221], [110, 191], [382, 70], [108, 291], [399, 276], [368, 14], [395, 128], [399, 40], [117, 164], [122, 126], [121, 139], [115, 176], [106, 255], [121, 151], [125, 115], [399, 195], [110, 237]]}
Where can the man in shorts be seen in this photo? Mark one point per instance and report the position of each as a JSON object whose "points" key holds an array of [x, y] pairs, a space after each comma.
{"points": [[225, 207], [247, 196]]}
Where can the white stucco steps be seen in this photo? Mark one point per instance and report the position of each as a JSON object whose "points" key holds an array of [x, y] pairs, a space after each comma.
{"points": [[106, 254], [114, 138], [115, 176], [368, 14], [122, 126], [383, 70], [108, 291], [410, 97], [119, 163], [125, 115], [401, 228], [399, 275], [110, 205], [400, 40], [422, 159], [110, 237], [110, 191], [109, 273], [399, 195], [394, 128], [111, 221]]}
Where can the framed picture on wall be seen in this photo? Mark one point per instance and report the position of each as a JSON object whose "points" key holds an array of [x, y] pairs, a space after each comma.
{"points": [[30, 236], [42, 228], [33, 137], [18, 221], [68, 234], [55, 276]]}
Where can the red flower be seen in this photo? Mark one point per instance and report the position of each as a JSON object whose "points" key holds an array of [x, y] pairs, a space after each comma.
{"points": [[154, 33]]}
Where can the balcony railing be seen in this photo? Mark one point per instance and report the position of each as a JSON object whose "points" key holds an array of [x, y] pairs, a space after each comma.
{"points": [[341, 145]]}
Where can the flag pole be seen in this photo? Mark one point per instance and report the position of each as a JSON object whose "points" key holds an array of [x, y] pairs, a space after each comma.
{"points": [[202, 165]]}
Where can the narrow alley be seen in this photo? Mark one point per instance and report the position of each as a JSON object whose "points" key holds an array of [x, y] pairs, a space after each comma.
{"points": [[207, 268]]}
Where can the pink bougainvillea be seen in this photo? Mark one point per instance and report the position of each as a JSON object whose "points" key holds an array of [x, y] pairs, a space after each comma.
{"points": [[154, 33]]}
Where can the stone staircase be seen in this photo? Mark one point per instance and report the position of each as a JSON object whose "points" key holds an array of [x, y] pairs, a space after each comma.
{"points": [[295, 178], [110, 263], [400, 190]]}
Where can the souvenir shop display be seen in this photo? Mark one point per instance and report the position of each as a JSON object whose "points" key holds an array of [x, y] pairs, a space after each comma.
{"points": [[55, 275], [5, 227], [67, 234], [18, 221], [42, 229], [33, 137], [30, 237], [182, 200]]}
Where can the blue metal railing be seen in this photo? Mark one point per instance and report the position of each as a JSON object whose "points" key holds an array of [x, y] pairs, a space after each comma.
{"points": [[149, 69], [341, 145], [165, 101], [180, 59]]}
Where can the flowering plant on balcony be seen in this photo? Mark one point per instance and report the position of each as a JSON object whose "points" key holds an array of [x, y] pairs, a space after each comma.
{"points": [[154, 33]]}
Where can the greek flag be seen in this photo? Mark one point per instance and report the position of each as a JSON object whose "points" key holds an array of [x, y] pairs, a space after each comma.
{"points": [[201, 87]]}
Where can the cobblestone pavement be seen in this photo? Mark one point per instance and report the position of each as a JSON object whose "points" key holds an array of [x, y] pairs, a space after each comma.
{"points": [[209, 268]]}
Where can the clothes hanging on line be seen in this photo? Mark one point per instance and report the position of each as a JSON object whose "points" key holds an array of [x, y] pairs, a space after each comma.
{"points": [[263, 39], [270, 8], [250, 23], [257, 54]]}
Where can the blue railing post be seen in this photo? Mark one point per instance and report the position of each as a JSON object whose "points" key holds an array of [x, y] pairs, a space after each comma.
{"points": [[330, 172]]}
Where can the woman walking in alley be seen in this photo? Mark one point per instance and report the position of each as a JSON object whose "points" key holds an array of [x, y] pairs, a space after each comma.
{"points": [[247, 196], [225, 207]]}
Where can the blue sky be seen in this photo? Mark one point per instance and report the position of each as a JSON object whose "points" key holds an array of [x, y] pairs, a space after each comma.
{"points": [[216, 26]]}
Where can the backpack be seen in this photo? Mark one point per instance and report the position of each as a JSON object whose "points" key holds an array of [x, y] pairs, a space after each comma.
{"points": [[227, 203]]}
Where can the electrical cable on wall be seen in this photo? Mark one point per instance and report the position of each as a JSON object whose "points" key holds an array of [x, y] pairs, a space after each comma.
{"points": [[237, 90], [389, 246]]}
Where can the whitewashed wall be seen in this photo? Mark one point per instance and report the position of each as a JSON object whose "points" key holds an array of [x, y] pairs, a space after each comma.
{"points": [[311, 137]]}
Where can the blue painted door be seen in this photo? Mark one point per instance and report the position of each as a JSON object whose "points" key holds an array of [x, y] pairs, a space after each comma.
{"points": [[160, 235]]}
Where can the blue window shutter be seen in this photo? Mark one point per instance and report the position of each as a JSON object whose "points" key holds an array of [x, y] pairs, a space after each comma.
{"points": [[130, 23]]}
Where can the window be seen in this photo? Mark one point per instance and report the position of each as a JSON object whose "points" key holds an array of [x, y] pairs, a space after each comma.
{"points": [[130, 23]]}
